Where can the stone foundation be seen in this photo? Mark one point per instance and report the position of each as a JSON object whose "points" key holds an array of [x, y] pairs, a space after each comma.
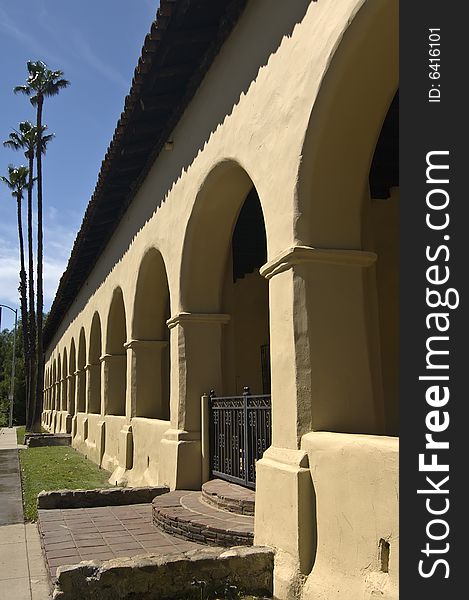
{"points": [[34, 440], [98, 497], [248, 570]]}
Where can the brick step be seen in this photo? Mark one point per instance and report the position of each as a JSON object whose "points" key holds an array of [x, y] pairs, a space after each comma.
{"points": [[184, 514], [229, 496]]}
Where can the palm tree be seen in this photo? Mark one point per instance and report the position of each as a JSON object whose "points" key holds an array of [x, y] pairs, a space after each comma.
{"points": [[41, 83], [17, 182], [26, 139]]}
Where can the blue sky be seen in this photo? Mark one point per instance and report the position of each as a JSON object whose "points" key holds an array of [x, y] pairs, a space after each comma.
{"points": [[97, 44]]}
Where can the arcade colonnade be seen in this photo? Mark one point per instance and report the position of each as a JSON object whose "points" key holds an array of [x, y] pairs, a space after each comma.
{"points": [[267, 233]]}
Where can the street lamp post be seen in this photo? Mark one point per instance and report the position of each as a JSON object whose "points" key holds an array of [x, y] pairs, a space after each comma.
{"points": [[13, 362]]}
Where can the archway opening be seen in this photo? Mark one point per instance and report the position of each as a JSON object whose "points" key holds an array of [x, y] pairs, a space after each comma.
{"points": [[94, 367], [381, 235], [64, 394], [115, 364], [72, 387], [59, 384], [81, 381], [150, 343], [246, 348], [225, 323], [54, 385]]}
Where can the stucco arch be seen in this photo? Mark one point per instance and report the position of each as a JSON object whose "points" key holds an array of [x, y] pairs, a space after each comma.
{"points": [[208, 236], [94, 366], [333, 204], [46, 394], [72, 383], [58, 387], [151, 307], [116, 326], [150, 343], [81, 377], [344, 126], [72, 361], [114, 359], [54, 386], [64, 396]]}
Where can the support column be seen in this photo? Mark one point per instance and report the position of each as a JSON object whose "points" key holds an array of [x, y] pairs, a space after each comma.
{"points": [[147, 384], [324, 376], [76, 391], [93, 388], [196, 367], [57, 396], [113, 376], [71, 400], [80, 390], [325, 344], [70, 396], [63, 394]]}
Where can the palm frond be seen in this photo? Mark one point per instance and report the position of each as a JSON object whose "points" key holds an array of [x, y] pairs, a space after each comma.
{"points": [[53, 88], [22, 89], [15, 141], [17, 179]]}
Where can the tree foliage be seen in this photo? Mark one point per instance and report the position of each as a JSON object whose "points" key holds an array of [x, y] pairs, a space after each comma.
{"points": [[6, 355]]}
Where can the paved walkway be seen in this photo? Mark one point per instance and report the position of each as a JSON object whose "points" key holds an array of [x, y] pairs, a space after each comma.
{"points": [[75, 534], [22, 572]]}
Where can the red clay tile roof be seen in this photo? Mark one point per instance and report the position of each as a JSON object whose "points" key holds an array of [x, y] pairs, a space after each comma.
{"points": [[183, 41]]}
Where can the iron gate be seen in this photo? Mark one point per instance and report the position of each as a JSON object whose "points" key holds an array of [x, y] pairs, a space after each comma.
{"points": [[240, 432]]}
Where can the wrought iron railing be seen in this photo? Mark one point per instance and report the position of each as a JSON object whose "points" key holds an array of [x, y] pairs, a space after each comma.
{"points": [[240, 432]]}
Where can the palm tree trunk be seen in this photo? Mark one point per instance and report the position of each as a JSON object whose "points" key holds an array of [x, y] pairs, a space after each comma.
{"points": [[40, 301], [31, 371], [22, 288]]}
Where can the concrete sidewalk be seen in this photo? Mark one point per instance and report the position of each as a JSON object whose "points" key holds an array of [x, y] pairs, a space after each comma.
{"points": [[22, 572]]}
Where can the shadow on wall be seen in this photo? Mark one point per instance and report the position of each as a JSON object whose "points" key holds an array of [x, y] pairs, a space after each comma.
{"points": [[252, 53]]}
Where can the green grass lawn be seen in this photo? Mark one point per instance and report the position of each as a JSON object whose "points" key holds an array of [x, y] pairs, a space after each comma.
{"points": [[56, 468]]}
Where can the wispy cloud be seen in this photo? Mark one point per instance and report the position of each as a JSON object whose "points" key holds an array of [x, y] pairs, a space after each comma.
{"points": [[87, 54], [58, 243], [20, 34]]}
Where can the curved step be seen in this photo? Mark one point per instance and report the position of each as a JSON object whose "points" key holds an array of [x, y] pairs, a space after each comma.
{"points": [[229, 496], [184, 514]]}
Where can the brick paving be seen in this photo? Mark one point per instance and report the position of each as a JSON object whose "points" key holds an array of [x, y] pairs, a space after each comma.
{"points": [[229, 496], [175, 522], [69, 536], [185, 514]]}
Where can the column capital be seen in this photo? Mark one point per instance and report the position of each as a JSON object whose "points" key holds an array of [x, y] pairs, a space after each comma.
{"points": [[111, 357], [296, 255], [134, 344], [206, 318], [89, 366]]}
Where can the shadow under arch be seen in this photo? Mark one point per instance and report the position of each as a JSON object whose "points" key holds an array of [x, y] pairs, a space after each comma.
{"points": [[94, 366], [72, 370], [54, 385], [58, 402], [81, 377], [150, 340], [114, 359], [64, 395], [223, 298], [208, 236], [344, 127]]}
